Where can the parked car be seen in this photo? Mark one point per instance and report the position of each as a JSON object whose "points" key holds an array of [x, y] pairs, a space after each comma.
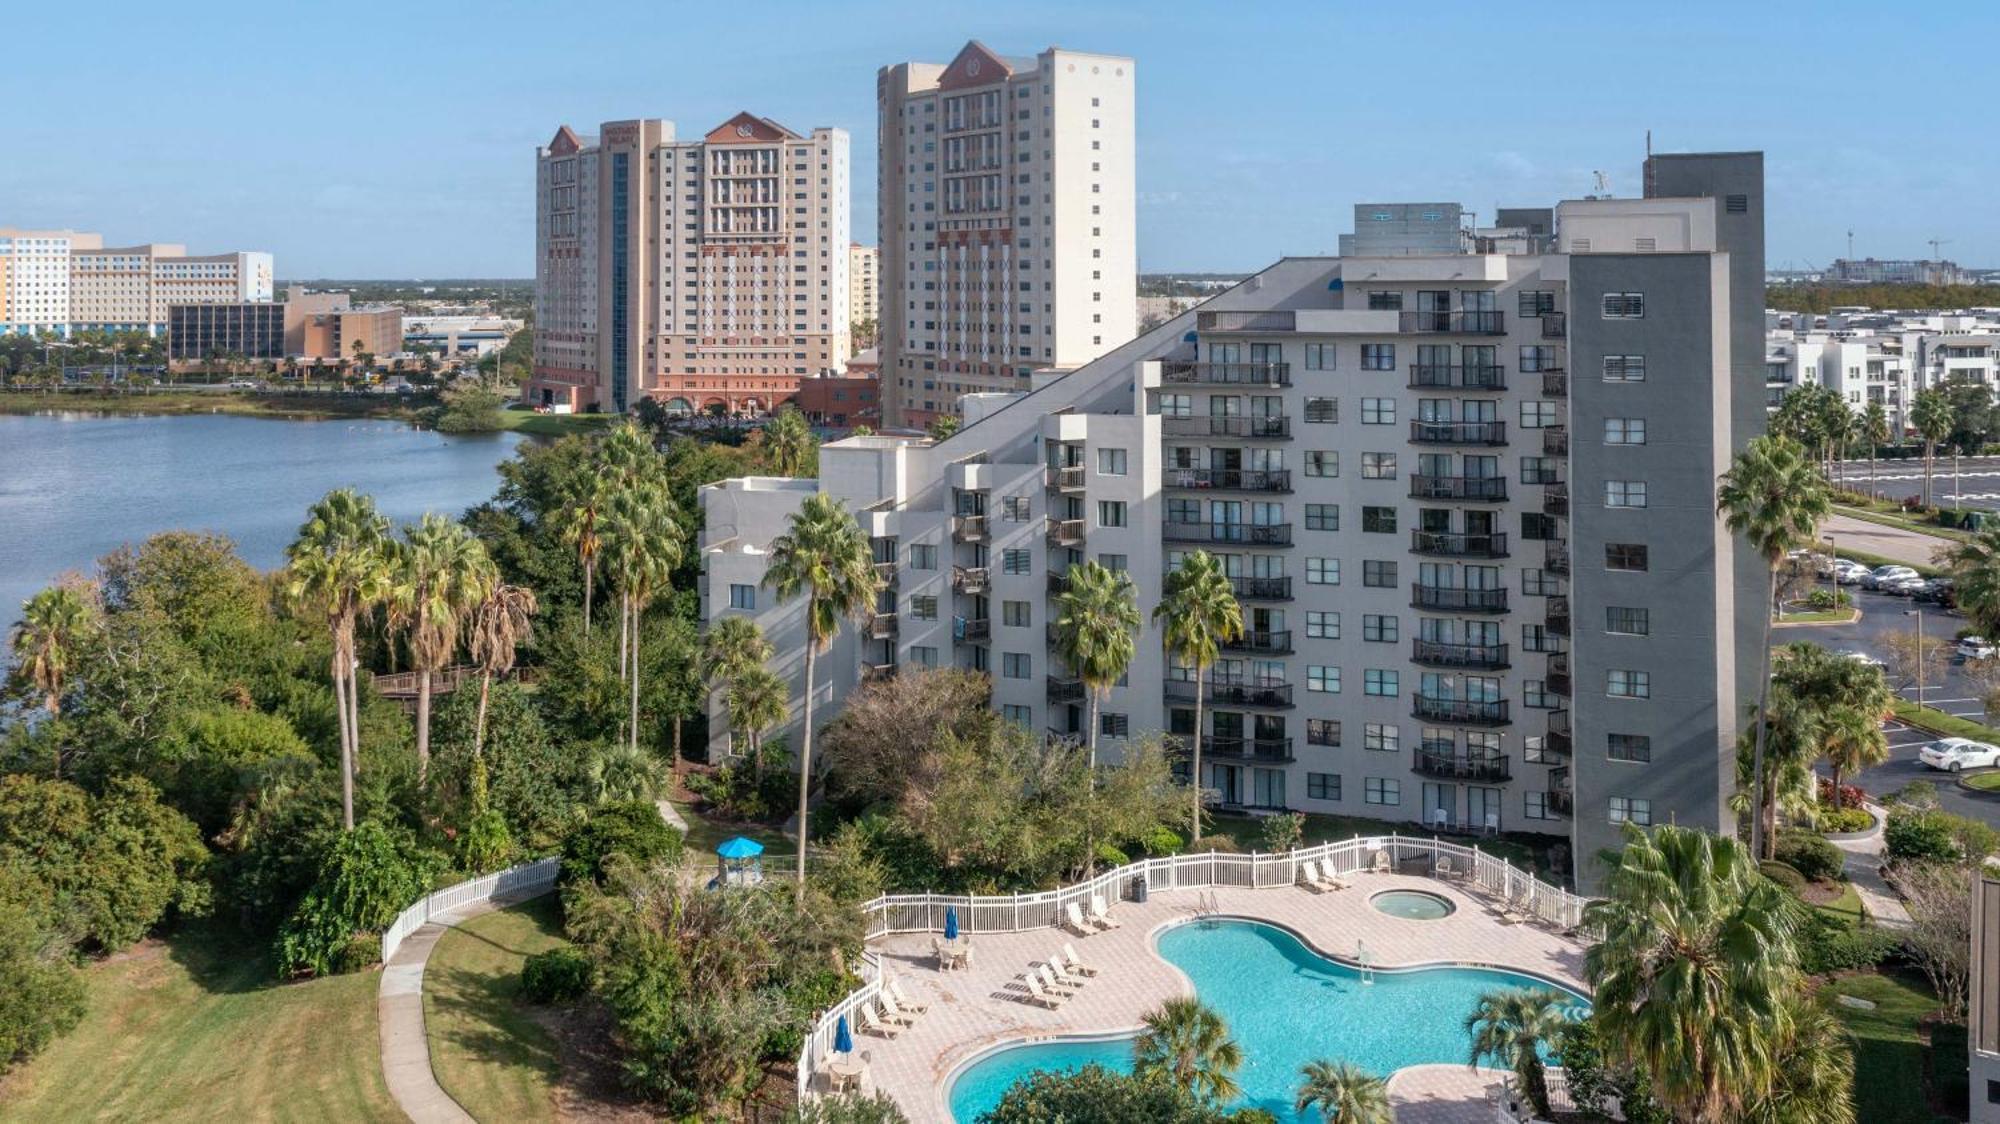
{"points": [[1880, 574], [1905, 587], [1942, 591], [1977, 648], [1953, 754], [1847, 572], [1861, 658]]}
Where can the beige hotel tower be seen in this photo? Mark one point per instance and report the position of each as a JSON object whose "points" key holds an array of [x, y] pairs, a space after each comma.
{"points": [[1006, 226]]}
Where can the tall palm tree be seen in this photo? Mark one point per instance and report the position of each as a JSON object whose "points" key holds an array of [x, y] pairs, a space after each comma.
{"points": [[1820, 704], [1874, 429], [499, 625], [790, 442], [578, 524], [824, 555], [1189, 1044], [1852, 741], [628, 466], [1975, 567], [1814, 1082], [441, 575], [1932, 417], [1775, 498], [1694, 969], [1198, 613], [1513, 1026], [734, 645], [757, 700], [1097, 616], [1344, 1093], [56, 626], [644, 545], [339, 565]]}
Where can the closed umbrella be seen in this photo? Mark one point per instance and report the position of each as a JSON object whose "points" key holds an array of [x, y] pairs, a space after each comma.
{"points": [[951, 922], [843, 1041]]}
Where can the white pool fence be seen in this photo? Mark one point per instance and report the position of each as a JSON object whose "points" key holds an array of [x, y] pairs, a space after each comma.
{"points": [[513, 884]]}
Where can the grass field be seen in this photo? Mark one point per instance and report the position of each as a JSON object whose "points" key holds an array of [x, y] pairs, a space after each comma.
{"points": [[197, 1028], [555, 425], [212, 402], [1942, 724], [1889, 1058], [487, 1050], [1889, 515]]}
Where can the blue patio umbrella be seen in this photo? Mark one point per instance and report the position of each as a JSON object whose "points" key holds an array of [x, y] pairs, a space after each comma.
{"points": [[843, 1042], [740, 848], [951, 922]]}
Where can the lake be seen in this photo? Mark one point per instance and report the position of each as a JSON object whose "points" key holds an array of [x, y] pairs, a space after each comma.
{"points": [[75, 486]]}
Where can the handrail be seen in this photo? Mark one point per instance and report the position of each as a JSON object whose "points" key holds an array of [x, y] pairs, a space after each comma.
{"points": [[526, 880]]}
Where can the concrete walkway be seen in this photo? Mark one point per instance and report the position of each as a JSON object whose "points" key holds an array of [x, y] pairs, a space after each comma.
{"points": [[1908, 547], [1863, 867]]}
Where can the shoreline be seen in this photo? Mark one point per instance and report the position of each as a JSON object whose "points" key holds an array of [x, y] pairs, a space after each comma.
{"points": [[180, 402]]}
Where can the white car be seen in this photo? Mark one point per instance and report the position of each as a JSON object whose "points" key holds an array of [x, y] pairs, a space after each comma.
{"points": [[1904, 587], [1848, 573], [1881, 574], [1953, 754], [1977, 648], [1861, 658]]}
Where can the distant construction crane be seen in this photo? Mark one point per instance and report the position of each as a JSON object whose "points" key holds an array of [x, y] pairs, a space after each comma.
{"points": [[1934, 244]]}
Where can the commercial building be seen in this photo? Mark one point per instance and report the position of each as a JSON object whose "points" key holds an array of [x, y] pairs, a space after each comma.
{"points": [[1006, 224], [708, 272], [198, 333], [332, 328], [64, 281], [841, 401], [864, 278], [1869, 271], [459, 337], [1467, 502]]}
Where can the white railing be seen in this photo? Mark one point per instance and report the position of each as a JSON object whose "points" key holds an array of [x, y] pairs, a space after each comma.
{"points": [[819, 1041], [514, 883], [921, 913]]}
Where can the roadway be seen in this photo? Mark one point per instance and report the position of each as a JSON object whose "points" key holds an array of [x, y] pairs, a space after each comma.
{"points": [[1964, 482]]}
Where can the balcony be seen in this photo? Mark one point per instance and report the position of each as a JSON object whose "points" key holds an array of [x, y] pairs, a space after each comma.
{"points": [[1281, 320], [876, 672], [1482, 489], [1443, 544], [882, 626], [1270, 643], [1555, 556], [1065, 689], [971, 630], [1558, 681], [971, 580], [1555, 441], [1065, 532], [1276, 751], [1234, 692], [1276, 534], [1458, 433], [1428, 376], [885, 572], [1558, 739], [1450, 599], [1557, 616], [1436, 653], [1227, 479], [1555, 325], [1477, 323], [1181, 373], [1451, 767], [1058, 583], [1262, 589], [1068, 479], [969, 528], [1277, 428], [1560, 798], [1555, 500], [1461, 712], [1555, 384]]}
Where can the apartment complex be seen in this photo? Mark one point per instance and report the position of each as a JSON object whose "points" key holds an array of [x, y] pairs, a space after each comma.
{"points": [[1466, 500], [1898, 271], [864, 279], [704, 273], [1006, 218], [63, 281], [1880, 356]]}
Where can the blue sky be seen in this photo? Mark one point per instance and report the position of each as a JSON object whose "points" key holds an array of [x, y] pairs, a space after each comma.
{"points": [[366, 139]]}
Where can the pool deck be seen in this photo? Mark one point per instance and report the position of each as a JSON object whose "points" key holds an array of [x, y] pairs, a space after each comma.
{"points": [[978, 1008]]}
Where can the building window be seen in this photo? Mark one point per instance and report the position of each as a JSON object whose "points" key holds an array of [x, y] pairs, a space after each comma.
{"points": [[1323, 786], [1537, 302], [1380, 628], [1175, 405], [1322, 462], [1017, 665], [1322, 624], [1536, 638], [1383, 790], [1111, 513], [1111, 462], [1113, 725], [1383, 737], [1016, 509], [1538, 414], [1378, 411], [1624, 306], [1323, 731], [1625, 556], [1537, 583], [923, 655], [1378, 520], [1017, 561], [1380, 301], [923, 556], [1624, 493], [1319, 357], [1624, 368], [1017, 614], [1017, 714], [1541, 470], [1381, 681], [1624, 431], [1322, 410], [1537, 527], [1627, 621], [1630, 809], [1378, 574], [1629, 747], [1535, 695], [1378, 466], [1322, 571], [1322, 517], [1625, 684], [923, 607], [1323, 679], [742, 596], [1112, 562], [1378, 356]]}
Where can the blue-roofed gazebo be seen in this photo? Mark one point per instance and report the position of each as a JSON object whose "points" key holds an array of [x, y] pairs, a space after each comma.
{"points": [[739, 862]]}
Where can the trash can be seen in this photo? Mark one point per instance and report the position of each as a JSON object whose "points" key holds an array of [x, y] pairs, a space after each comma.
{"points": [[1139, 889]]}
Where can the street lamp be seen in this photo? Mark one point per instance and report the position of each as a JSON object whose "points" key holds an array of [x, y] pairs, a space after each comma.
{"points": [[1832, 571], [1919, 614]]}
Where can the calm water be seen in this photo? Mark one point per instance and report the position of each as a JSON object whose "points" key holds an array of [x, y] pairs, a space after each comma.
{"points": [[75, 486], [1286, 1006]]}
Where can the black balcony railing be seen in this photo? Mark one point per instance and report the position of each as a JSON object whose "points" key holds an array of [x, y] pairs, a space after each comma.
{"points": [[1273, 320], [1235, 425], [1558, 739], [1555, 441], [970, 579], [969, 528], [1442, 376], [1436, 653], [1226, 374], [1058, 582], [1555, 325], [1262, 589], [1065, 532], [1558, 680], [1555, 384], [1065, 689], [1463, 712], [1557, 616], [1450, 599], [1555, 500], [1454, 767], [1267, 642], [1228, 479], [971, 630], [873, 672], [1478, 323], [1069, 479], [1447, 545], [1278, 534], [1274, 750], [882, 626], [1234, 692], [1483, 489], [1555, 556], [1458, 433]]}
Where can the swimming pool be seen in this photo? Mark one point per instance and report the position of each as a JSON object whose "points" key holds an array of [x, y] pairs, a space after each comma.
{"points": [[1413, 905], [1286, 1006]]}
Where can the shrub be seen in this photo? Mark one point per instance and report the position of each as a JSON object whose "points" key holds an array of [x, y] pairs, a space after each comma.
{"points": [[366, 877], [1220, 843], [1919, 835], [1918, 794], [1812, 855], [630, 827], [1109, 856], [1849, 796], [1162, 841], [1827, 945], [848, 1108], [556, 976], [1283, 832], [1784, 874], [1843, 821], [361, 952], [41, 994]]}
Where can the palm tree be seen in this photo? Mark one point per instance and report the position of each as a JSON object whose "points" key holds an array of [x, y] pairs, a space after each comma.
{"points": [[1814, 1082], [1775, 498], [824, 555], [499, 625], [441, 575], [1097, 616], [1512, 1026], [339, 564], [1199, 613], [621, 772], [1975, 567], [1694, 969], [1189, 1044], [1874, 429], [790, 441], [1932, 416], [733, 646], [48, 641], [644, 545], [943, 427], [757, 700], [578, 523], [1852, 740], [1344, 1093]]}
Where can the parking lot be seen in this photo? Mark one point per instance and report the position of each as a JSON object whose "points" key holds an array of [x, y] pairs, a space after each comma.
{"points": [[1967, 482]]}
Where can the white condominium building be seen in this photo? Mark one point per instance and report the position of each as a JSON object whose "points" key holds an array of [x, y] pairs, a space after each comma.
{"points": [[64, 280], [1466, 500], [706, 273], [864, 280], [1005, 212]]}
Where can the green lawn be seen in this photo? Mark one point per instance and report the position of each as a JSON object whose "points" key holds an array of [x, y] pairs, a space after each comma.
{"points": [[198, 1028], [1985, 781], [1827, 616], [1890, 515], [487, 1049], [705, 835], [555, 425], [1844, 908], [1889, 1059], [1942, 724]]}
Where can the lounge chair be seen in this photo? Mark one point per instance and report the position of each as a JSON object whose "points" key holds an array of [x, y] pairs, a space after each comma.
{"points": [[1331, 878], [1055, 971], [886, 1007], [1380, 863], [903, 1001], [865, 1016], [943, 957], [1310, 879], [1512, 910], [1076, 924], [1047, 975], [1074, 962], [1443, 868], [1100, 916], [1038, 994]]}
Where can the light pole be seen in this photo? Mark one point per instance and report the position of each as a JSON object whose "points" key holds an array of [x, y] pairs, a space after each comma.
{"points": [[1919, 614], [1832, 572], [1954, 478]]}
